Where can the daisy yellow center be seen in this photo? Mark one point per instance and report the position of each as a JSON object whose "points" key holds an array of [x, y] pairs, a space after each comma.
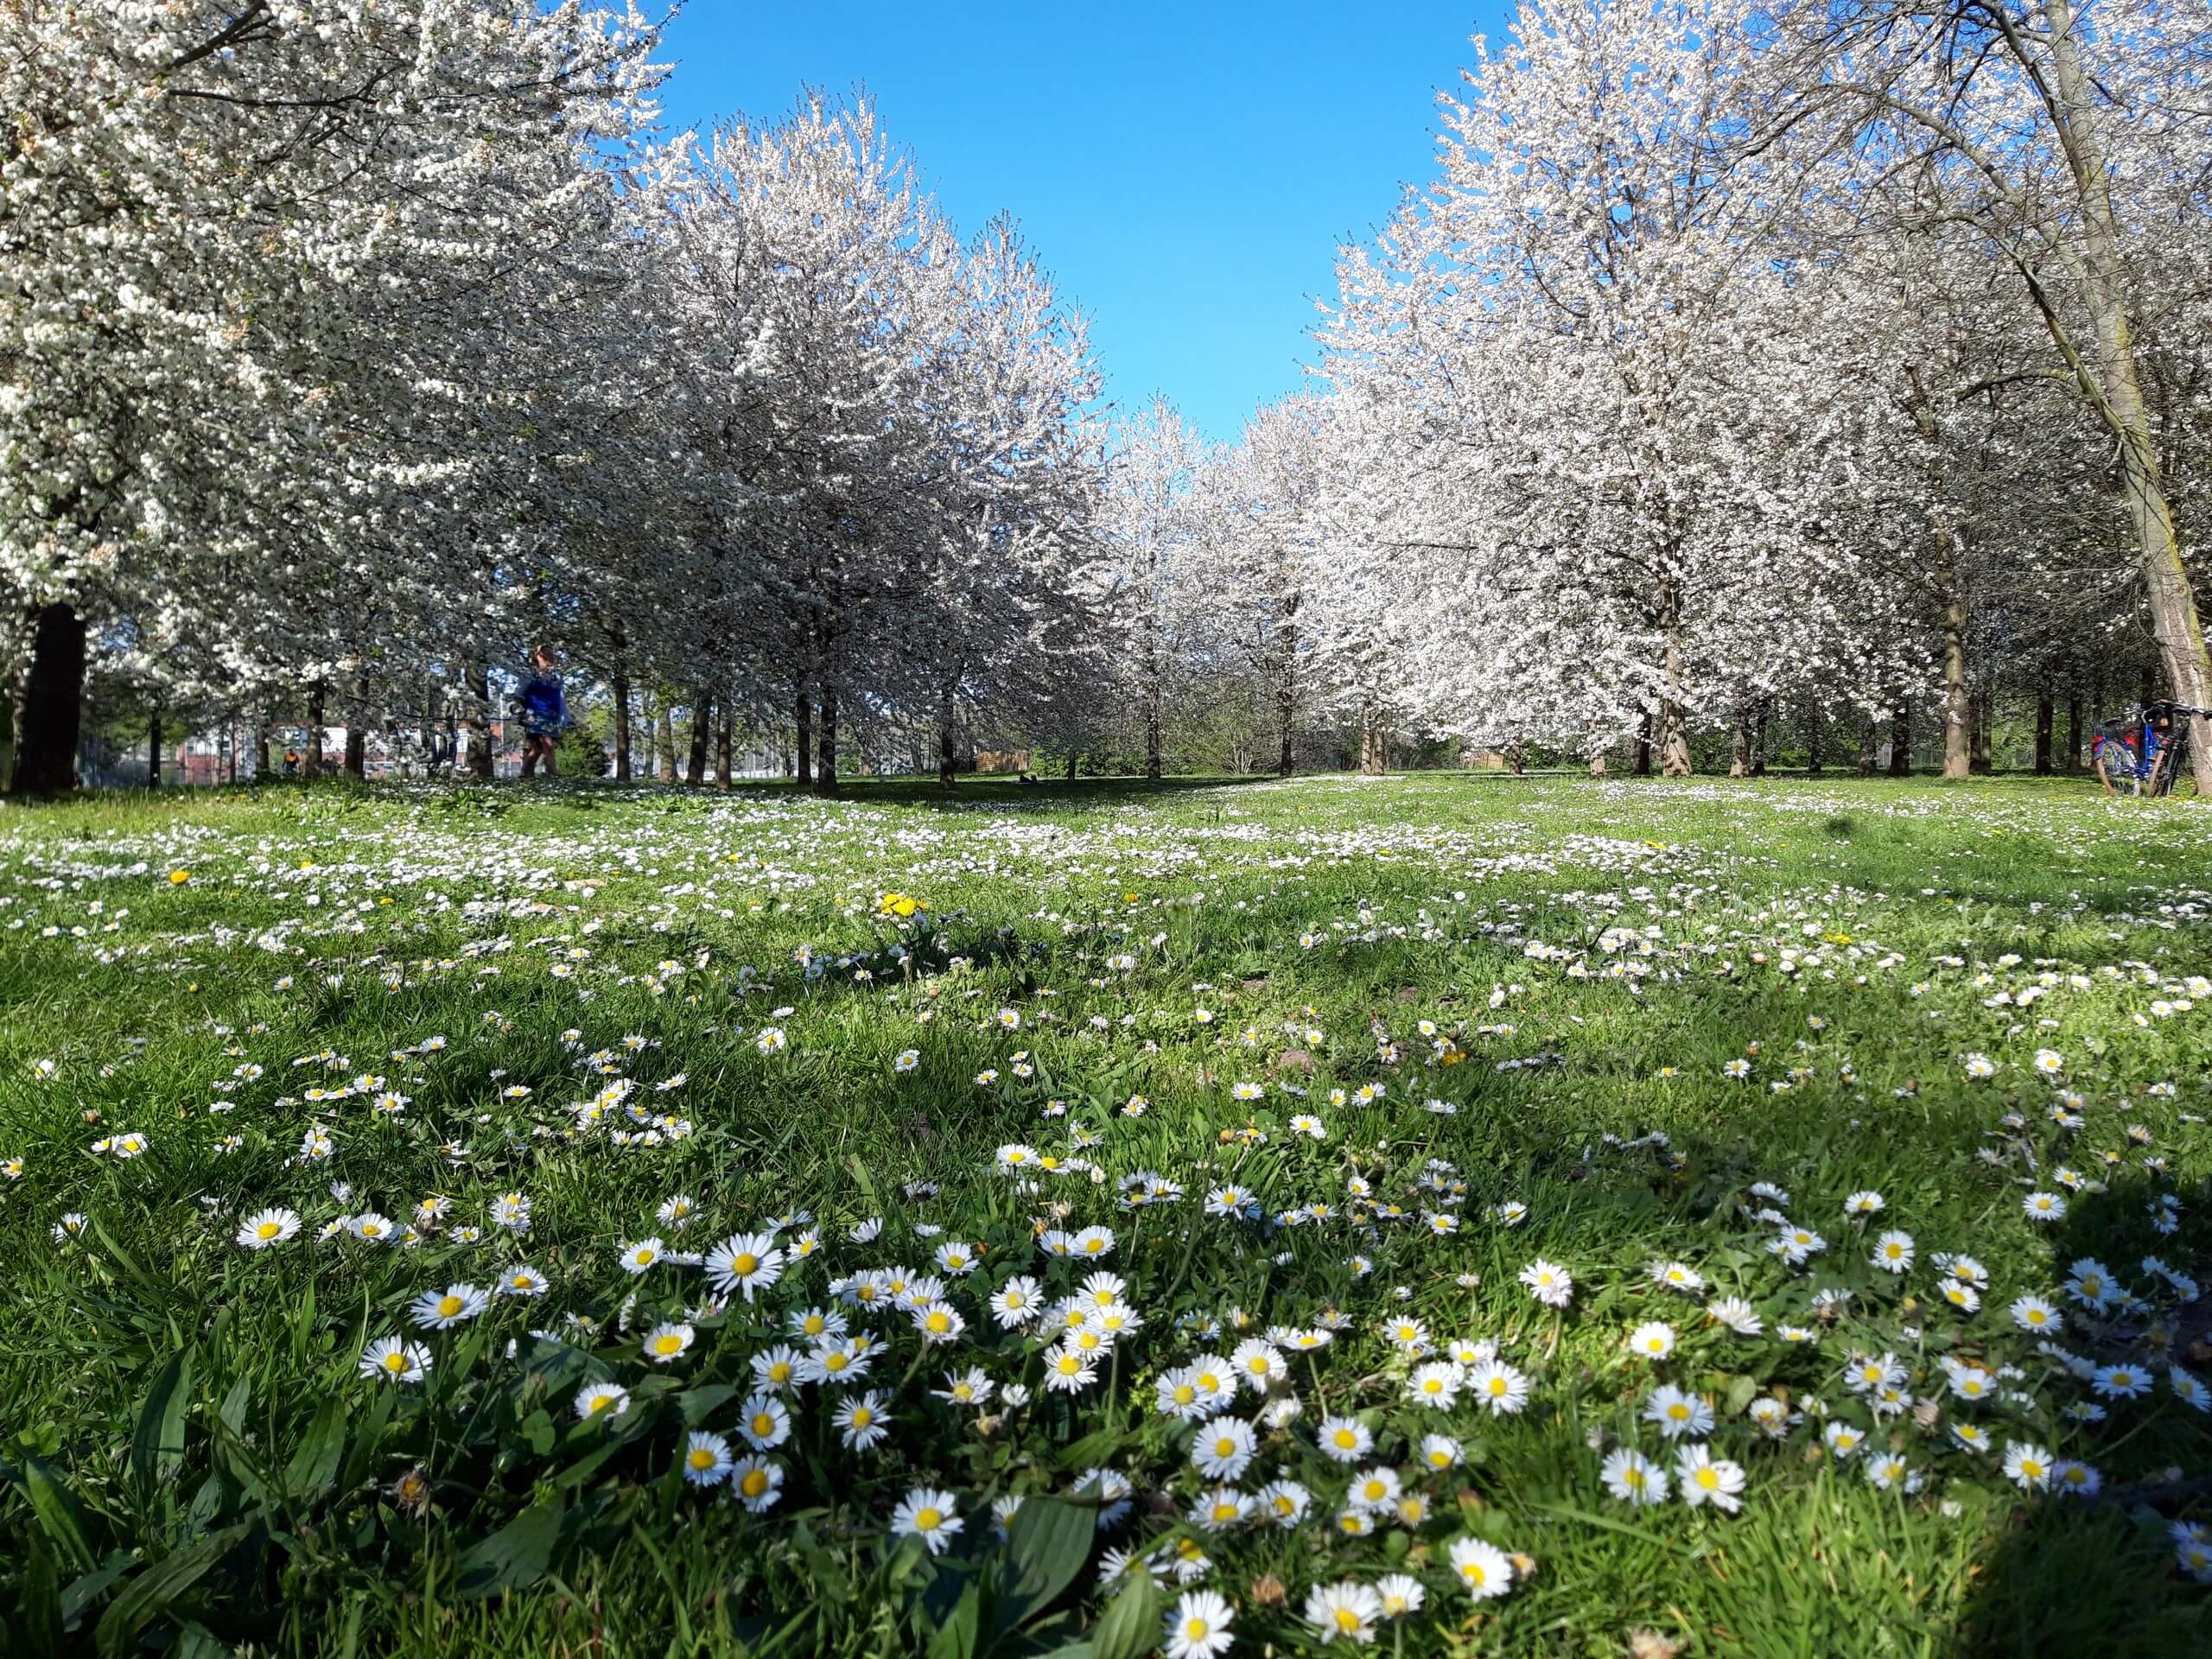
{"points": [[862, 1416], [1069, 1364], [603, 1403], [643, 1258], [929, 1518], [1225, 1447], [764, 1425], [1439, 1460], [834, 1362], [667, 1344], [1094, 1246], [754, 1483], [395, 1362], [267, 1229], [940, 1323], [1634, 1477], [1347, 1620], [1497, 1385], [1474, 1574], [1708, 1478], [1347, 1439], [448, 1306], [702, 1458], [1197, 1630], [746, 1262]]}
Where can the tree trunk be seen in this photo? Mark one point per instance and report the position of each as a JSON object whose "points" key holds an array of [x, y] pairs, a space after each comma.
{"points": [[802, 755], [1640, 764], [311, 750], [1816, 740], [2046, 722], [1901, 740], [1869, 748], [356, 754], [476, 720], [1985, 719], [825, 766], [2115, 389], [946, 770], [664, 743], [1073, 758], [1739, 757], [725, 743], [1374, 742], [621, 689], [153, 749], [50, 708], [1958, 712], [1287, 679], [703, 717], [1673, 718], [262, 769], [1760, 711], [2073, 724], [1153, 693]]}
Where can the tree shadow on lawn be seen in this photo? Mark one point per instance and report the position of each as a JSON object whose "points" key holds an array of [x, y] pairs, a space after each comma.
{"points": [[2068, 1575]]}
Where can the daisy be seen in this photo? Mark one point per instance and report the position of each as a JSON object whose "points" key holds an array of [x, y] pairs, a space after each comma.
{"points": [[1632, 1477], [1677, 1414], [607, 1400], [1373, 1489], [1345, 1611], [861, 1419], [1224, 1448], [1220, 1508], [1282, 1502], [1435, 1385], [524, 1281], [394, 1359], [706, 1458], [1439, 1452], [1704, 1479], [1655, 1340], [1552, 1285], [666, 1343], [1893, 1252], [1484, 1569], [927, 1513], [1499, 1386], [266, 1228], [746, 1262], [1344, 1439], [2043, 1206], [1257, 1362], [1198, 1626], [441, 1310], [767, 1422], [637, 1257], [758, 1482], [1401, 1593], [2029, 1467]]}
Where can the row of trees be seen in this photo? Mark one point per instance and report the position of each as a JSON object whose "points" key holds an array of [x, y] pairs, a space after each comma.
{"points": [[1741, 371]]}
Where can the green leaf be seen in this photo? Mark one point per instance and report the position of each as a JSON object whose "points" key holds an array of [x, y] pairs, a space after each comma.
{"points": [[158, 1442], [516, 1554], [861, 1175], [314, 1462], [1130, 1628], [57, 1512], [1740, 1390], [37, 1625], [697, 1404], [955, 1638], [1046, 1546], [146, 1281], [85, 1590], [153, 1590], [361, 1455]]}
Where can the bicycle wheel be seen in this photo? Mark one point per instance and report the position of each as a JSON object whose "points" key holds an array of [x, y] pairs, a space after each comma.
{"points": [[2176, 776]]}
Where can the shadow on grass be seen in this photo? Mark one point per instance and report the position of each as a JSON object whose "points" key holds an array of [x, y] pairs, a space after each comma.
{"points": [[2070, 1575]]}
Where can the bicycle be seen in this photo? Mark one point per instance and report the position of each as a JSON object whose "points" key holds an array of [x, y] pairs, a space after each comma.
{"points": [[2171, 772]]}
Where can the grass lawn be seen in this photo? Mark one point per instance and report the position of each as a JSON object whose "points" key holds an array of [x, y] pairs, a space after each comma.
{"points": [[1459, 1153]]}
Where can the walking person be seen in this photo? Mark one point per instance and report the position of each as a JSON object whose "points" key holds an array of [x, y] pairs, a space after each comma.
{"points": [[544, 712]]}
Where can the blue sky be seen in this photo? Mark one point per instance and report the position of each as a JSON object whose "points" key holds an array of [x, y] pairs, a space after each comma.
{"points": [[1186, 171]]}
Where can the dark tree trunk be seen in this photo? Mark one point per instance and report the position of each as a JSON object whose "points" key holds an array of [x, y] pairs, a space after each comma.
{"points": [[1287, 681], [946, 770], [261, 766], [825, 766], [802, 754], [356, 754], [725, 733], [476, 720], [1641, 764], [2046, 722], [1984, 700], [1758, 736], [50, 712], [1901, 740], [1073, 758], [154, 750], [311, 750], [703, 719], [664, 743], [1868, 747], [1816, 740], [2073, 725], [621, 689]]}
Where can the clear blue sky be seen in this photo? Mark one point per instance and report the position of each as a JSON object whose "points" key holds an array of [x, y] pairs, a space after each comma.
{"points": [[1186, 171]]}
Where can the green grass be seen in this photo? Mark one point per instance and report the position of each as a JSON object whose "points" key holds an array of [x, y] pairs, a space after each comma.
{"points": [[191, 1462]]}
